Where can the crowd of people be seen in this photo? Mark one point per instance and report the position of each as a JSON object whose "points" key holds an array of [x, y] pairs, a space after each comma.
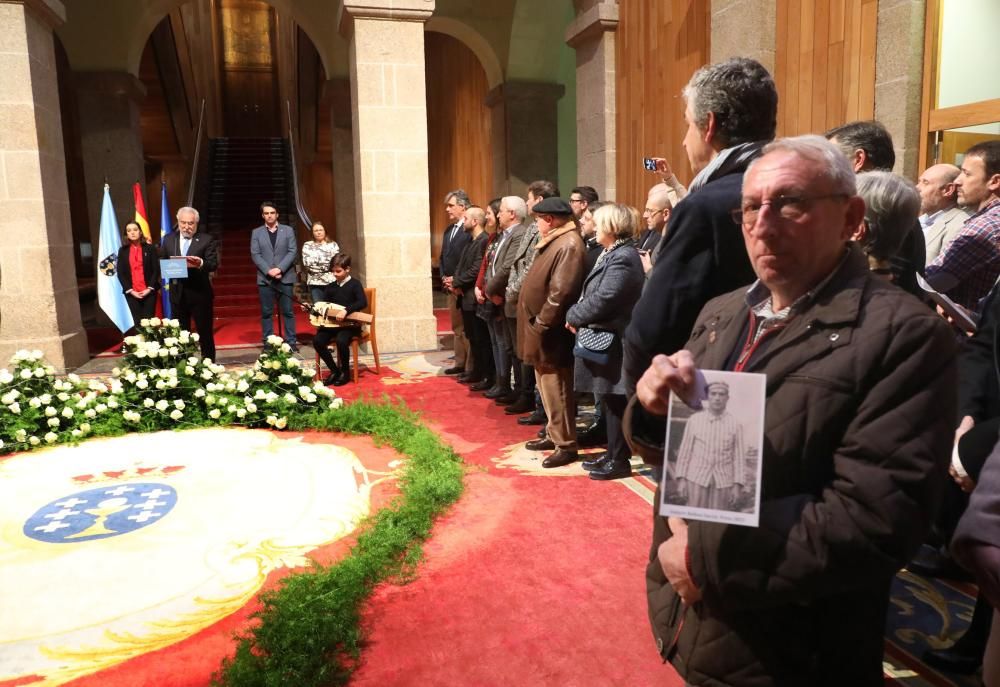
{"points": [[805, 259]]}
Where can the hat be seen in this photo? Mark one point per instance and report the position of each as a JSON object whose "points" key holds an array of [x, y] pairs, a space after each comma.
{"points": [[552, 206]]}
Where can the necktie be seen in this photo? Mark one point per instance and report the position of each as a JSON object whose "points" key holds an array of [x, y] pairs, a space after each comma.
{"points": [[185, 244]]}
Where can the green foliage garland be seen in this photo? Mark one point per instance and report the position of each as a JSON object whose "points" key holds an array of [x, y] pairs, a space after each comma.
{"points": [[308, 631]]}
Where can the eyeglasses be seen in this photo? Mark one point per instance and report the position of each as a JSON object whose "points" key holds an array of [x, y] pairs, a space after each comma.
{"points": [[652, 212], [788, 207], [576, 200]]}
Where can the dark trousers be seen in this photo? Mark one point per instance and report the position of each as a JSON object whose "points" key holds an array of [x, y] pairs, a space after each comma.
{"points": [[142, 308], [343, 336], [502, 351], [510, 329], [480, 349], [268, 294], [201, 309], [614, 410]]}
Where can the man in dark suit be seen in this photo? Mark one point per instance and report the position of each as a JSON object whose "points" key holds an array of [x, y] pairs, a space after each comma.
{"points": [[192, 297], [453, 244], [274, 249]]}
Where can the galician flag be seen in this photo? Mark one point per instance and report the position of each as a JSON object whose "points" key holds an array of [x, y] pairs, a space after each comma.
{"points": [[165, 226], [140, 211], [109, 289]]}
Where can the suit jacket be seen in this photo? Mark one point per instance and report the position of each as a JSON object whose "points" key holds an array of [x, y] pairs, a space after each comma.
{"points": [[944, 229], [150, 267], [523, 257], [451, 249], [976, 543], [281, 256], [468, 270], [648, 240], [498, 272], [197, 286]]}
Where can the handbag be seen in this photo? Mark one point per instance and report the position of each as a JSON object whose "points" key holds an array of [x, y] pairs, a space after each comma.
{"points": [[593, 345]]}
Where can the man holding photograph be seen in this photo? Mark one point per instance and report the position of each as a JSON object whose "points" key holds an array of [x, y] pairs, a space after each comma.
{"points": [[860, 397]]}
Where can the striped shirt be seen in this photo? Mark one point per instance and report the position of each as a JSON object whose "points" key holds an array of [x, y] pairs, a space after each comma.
{"points": [[712, 452]]}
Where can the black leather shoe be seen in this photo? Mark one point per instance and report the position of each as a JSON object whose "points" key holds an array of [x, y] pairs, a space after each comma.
{"points": [[521, 405], [469, 380], [482, 385], [454, 370], [538, 417], [494, 393], [540, 445], [597, 461], [507, 398], [559, 458], [331, 378], [595, 435], [612, 469], [343, 379], [954, 659], [542, 433]]}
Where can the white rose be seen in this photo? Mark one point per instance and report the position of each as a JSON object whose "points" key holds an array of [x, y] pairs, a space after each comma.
{"points": [[162, 404], [285, 348], [112, 403], [140, 353], [214, 413], [176, 415], [15, 408], [34, 402], [155, 321], [179, 404], [142, 384], [25, 374], [46, 398], [148, 402], [199, 393], [50, 411], [67, 412], [63, 397], [20, 435], [76, 433], [100, 407], [195, 337], [240, 413], [51, 437], [231, 408], [90, 413], [242, 385], [271, 419], [6, 377], [39, 372], [336, 403], [260, 376], [84, 427], [53, 422], [251, 407], [289, 398], [286, 379], [281, 423], [33, 440]]}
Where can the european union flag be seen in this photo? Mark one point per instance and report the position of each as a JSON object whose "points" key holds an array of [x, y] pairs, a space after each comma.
{"points": [[110, 296]]}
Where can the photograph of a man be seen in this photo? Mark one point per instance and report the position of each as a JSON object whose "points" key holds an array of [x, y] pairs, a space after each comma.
{"points": [[711, 461]]}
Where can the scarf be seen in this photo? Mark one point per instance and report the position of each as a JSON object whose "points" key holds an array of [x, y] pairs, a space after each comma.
{"points": [[726, 161]]}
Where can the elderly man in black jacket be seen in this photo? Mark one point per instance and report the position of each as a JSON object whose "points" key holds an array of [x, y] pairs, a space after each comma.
{"points": [[731, 113]]}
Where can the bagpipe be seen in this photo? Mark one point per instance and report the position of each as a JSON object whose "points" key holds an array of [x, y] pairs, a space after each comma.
{"points": [[323, 314]]}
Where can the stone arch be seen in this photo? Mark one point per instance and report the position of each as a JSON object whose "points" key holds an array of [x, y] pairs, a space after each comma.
{"points": [[307, 14], [475, 41]]}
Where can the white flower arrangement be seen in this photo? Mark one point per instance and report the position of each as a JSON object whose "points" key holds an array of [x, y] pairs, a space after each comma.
{"points": [[161, 385]]}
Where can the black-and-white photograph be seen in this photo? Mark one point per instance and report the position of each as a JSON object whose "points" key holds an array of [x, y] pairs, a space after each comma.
{"points": [[713, 448]]}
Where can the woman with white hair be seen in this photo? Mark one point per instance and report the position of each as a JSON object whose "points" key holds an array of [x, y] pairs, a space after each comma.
{"points": [[892, 206]]}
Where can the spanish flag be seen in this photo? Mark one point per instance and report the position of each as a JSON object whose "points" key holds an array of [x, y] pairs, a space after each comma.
{"points": [[140, 211]]}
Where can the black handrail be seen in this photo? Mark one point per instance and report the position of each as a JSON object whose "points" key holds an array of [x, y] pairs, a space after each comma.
{"points": [[197, 155], [303, 216]]}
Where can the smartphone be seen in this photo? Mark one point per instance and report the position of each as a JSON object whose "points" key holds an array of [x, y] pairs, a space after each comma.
{"points": [[649, 163]]}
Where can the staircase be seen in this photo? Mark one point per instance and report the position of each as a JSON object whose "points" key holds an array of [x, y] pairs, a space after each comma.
{"points": [[243, 172]]}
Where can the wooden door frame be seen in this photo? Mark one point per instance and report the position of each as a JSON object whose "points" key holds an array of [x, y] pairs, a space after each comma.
{"points": [[933, 119]]}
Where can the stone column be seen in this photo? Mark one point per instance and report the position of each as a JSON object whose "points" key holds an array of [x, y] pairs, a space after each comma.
{"points": [[342, 157], [39, 301], [110, 141], [525, 142], [592, 35], [744, 28], [899, 61], [389, 122]]}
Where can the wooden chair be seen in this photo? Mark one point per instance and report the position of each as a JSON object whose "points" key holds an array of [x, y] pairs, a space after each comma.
{"points": [[366, 334]]}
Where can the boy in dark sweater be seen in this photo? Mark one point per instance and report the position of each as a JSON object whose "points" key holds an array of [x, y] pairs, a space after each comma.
{"points": [[349, 293]]}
